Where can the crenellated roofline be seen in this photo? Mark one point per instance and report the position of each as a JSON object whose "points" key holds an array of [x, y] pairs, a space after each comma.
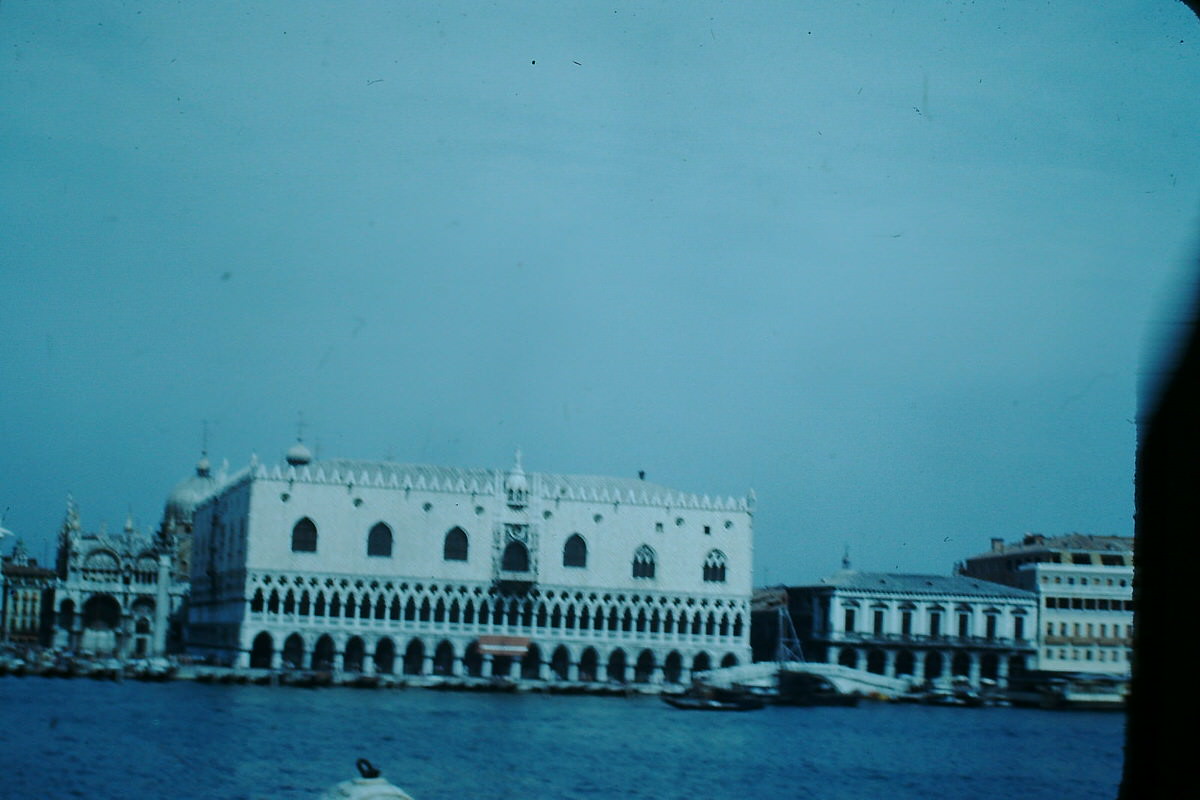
{"points": [[548, 487]]}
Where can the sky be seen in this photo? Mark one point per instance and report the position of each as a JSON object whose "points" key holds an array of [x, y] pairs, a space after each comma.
{"points": [[897, 267]]}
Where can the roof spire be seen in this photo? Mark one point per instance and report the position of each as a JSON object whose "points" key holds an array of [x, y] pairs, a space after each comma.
{"points": [[846, 558], [202, 466], [515, 485], [72, 520]]}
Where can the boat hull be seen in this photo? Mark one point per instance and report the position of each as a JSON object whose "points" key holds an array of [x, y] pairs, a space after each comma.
{"points": [[711, 704]]}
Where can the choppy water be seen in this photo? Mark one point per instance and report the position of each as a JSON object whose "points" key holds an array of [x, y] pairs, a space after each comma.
{"points": [[87, 739]]}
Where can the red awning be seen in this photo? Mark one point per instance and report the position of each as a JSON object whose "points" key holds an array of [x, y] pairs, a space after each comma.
{"points": [[503, 645]]}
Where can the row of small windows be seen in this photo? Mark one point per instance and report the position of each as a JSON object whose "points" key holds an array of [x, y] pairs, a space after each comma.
{"points": [[1077, 630], [515, 557], [1084, 581], [1089, 603], [1080, 559], [1101, 655], [498, 613]]}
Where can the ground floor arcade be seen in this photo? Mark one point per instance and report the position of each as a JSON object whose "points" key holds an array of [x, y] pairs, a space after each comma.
{"points": [[931, 663], [459, 656]]}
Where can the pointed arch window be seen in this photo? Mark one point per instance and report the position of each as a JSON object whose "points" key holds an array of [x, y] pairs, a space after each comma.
{"points": [[515, 558], [455, 546], [304, 536], [379, 541], [575, 552], [714, 567], [643, 562]]}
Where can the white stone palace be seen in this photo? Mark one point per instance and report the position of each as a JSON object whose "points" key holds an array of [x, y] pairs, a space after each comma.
{"points": [[377, 567]]}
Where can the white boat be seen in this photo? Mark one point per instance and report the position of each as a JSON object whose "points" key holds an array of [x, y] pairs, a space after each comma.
{"points": [[1069, 690]]}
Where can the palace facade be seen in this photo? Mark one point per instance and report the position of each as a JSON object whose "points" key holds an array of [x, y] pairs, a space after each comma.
{"points": [[377, 567]]}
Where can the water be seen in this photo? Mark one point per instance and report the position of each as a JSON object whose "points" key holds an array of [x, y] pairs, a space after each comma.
{"points": [[88, 739]]}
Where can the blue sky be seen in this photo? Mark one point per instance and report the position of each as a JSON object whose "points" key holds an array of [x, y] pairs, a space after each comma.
{"points": [[893, 268]]}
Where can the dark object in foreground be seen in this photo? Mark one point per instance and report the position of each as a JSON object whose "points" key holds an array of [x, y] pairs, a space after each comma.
{"points": [[371, 786]]}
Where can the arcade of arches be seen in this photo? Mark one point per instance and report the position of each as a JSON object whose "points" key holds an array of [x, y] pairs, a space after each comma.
{"points": [[448, 657], [102, 626], [930, 664]]}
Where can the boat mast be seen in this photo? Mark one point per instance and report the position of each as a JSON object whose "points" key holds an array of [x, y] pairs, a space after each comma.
{"points": [[788, 646]]}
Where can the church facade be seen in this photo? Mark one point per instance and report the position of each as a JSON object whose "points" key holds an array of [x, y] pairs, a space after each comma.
{"points": [[116, 593], [377, 567]]}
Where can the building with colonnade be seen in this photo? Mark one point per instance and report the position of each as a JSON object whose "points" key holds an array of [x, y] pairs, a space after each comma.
{"points": [[927, 627]]}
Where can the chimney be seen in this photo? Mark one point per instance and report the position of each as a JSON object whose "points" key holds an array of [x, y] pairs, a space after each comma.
{"points": [[641, 474], [997, 545]]}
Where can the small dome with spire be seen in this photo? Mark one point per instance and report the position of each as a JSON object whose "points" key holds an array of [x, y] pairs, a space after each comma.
{"points": [[298, 455], [190, 492]]}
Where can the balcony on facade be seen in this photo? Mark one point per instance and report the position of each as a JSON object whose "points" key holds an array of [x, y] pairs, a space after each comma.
{"points": [[924, 640], [1086, 641]]}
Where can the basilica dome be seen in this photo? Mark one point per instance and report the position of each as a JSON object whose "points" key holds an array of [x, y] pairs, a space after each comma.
{"points": [[190, 492]]}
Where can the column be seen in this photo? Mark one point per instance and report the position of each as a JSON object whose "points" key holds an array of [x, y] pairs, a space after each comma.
{"points": [[657, 677], [124, 636], [485, 669], [162, 606], [75, 637], [889, 663], [573, 671], [974, 674]]}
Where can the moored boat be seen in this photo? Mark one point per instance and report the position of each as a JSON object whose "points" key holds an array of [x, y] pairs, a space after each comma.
{"points": [[1070, 690], [307, 680], [692, 703], [710, 698], [798, 688]]}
